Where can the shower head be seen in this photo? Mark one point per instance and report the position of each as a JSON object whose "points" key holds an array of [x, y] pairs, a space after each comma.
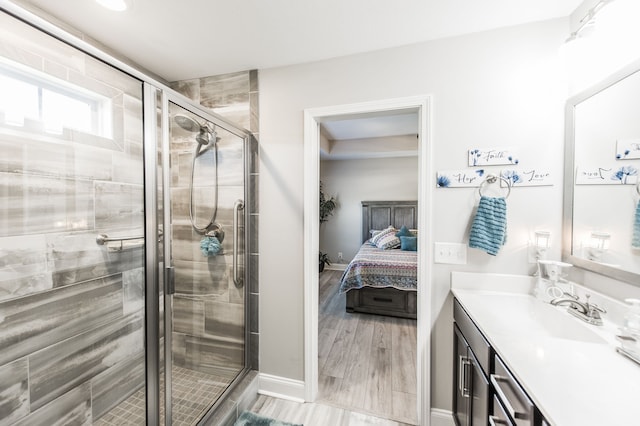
{"points": [[187, 123]]}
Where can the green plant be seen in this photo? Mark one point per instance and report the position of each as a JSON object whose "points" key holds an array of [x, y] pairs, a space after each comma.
{"points": [[327, 206], [324, 260]]}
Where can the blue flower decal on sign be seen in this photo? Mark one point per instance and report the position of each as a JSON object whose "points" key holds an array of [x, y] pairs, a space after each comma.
{"points": [[623, 173], [480, 172], [475, 155], [512, 176], [443, 181]]}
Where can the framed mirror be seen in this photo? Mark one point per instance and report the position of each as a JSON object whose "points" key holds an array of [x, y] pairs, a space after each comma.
{"points": [[602, 185]]}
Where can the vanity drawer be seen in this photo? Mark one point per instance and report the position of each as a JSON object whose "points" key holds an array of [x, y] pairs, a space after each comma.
{"points": [[513, 398], [480, 347]]}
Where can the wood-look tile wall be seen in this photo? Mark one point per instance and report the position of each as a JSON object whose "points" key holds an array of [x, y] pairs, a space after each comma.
{"points": [[209, 331], [71, 313]]}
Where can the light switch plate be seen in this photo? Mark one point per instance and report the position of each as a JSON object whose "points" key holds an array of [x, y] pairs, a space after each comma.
{"points": [[451, 253]]}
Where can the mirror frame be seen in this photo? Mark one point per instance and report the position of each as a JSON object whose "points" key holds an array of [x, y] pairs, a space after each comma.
{"points": [[569, 180]]}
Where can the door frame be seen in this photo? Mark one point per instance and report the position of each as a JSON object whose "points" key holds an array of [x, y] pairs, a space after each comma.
{"points": [[313, 117]]}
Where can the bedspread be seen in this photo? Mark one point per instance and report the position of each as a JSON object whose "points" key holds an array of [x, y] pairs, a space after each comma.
{"points": [[373, 267]]}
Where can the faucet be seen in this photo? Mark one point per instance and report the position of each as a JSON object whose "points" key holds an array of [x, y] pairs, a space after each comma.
{"points": [[588, 312]]}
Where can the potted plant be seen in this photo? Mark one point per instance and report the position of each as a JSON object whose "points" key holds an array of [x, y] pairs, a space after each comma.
{"points": [[327, 206], [324, 260]]}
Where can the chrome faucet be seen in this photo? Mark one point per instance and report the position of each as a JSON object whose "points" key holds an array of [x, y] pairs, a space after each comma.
{"points": [[588, 312]]}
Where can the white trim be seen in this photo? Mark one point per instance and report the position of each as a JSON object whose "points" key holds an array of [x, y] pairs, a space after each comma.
{"points": [[281, 387], [336, 267], [441, 417], [312, 119]]}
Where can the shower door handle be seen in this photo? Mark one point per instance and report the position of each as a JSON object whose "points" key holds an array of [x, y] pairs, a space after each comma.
{"points": [[170, 280], [239, 205]]}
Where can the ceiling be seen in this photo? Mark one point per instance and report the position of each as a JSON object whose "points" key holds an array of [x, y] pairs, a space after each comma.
{"points": [[178, 40]]}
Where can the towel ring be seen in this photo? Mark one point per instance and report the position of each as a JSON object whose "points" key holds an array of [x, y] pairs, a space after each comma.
{"points": [[494, 179]]}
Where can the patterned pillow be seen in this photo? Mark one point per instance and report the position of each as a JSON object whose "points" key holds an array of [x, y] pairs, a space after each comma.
{"points": [[388, 241], [390, 230]]}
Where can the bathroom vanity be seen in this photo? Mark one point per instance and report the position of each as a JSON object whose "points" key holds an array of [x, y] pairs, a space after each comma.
{"points": [[519, 361]]}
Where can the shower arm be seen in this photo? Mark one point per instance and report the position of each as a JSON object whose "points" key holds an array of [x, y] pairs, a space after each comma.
{"points": [[239, 205]]}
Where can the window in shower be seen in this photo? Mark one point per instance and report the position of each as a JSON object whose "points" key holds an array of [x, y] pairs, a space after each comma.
{"points": [[32, 95]]}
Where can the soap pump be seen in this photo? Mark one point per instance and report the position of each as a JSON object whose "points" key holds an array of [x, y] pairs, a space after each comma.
{"points": [[551, 282]]}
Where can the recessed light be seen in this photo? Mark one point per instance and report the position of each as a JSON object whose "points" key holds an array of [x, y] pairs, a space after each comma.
{"points": [[117, 5]]}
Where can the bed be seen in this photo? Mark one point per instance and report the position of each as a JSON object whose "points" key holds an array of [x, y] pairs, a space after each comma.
{"points": [[383, 282]]}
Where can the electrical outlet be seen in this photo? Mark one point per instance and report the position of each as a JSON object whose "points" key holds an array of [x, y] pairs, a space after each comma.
{"points": [[451, 253], [340, 256]]}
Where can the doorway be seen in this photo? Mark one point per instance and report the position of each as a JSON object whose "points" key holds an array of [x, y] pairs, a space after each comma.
{"points": [[313, 119]]}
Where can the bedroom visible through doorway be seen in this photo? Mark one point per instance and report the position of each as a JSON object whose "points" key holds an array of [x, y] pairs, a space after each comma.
{"points": [[328, 371]]}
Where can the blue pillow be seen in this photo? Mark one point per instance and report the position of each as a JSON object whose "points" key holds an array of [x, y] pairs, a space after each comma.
{"points": [[404, 232], [408, 243]]}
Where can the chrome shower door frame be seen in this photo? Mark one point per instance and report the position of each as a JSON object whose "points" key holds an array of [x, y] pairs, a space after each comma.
{"points": [[161, 275]]}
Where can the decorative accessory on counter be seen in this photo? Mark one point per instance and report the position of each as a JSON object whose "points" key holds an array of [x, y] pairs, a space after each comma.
{"points": [[635, 242], [489, 228], [210, 246]]}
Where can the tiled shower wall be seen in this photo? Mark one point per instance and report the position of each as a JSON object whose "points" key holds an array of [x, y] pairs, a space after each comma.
{"points": [[71, 312], [235, 97]]}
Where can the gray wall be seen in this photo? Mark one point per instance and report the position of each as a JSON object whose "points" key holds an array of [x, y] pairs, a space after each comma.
{"points": [[71, 319], [501, 88], [354, 181]]}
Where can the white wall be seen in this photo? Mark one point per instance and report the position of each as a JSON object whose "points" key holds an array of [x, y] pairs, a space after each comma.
{"points": [[501, 88], [354, 181]]}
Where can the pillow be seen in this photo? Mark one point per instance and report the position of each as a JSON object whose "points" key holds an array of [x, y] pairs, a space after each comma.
{"points": [[388, 241], [409, 243], [404, 232], [390, 230]]}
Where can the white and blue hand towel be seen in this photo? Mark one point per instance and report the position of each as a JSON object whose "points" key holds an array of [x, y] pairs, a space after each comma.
{"points": [[635, 242], [489, 228]]}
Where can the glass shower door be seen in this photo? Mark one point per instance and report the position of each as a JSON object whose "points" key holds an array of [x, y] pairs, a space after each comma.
{"points": [[204, 222]]}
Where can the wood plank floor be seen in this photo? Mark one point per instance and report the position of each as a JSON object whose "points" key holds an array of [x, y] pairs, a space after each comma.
{"points": [[367, 369], [366, 363]]}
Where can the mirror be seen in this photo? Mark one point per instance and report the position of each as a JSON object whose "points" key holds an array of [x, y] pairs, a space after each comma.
{"points": [[602, 164]]}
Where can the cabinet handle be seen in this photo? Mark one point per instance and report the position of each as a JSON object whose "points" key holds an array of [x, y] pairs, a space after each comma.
{"points": [[495, 379], [463, 368], [494, 421]]}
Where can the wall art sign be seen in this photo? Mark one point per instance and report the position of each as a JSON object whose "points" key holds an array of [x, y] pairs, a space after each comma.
{"points": [[460, 178], [607, 175], [526, 177], [491, 157], [628, 149]]}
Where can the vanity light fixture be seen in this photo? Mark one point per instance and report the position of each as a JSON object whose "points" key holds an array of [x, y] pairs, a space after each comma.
{"points": [[538, 248], [599, 244], [115, 5]]}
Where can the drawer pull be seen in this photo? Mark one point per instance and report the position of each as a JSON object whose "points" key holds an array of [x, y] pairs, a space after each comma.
{"points": [[495, 381], [383, 299], [494, 421]]}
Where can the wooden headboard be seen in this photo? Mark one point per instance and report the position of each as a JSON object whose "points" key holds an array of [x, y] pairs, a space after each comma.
{"points": [[381, 214]]}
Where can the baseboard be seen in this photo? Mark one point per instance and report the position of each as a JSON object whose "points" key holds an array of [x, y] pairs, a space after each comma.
{"points": [[281, 387], [441, 417], [336, 267]]}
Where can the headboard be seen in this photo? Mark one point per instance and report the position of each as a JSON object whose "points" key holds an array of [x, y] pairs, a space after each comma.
{"points": [[381, 214]]}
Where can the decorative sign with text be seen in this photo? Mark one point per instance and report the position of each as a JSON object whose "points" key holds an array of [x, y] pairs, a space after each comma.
{"points": [[526, 177], [613, 175], [460, 178], [491, 157], [627, 149]]}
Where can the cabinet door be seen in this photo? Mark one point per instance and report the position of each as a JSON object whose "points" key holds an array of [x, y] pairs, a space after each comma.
{"points": [[461, 380], [479, 394]]}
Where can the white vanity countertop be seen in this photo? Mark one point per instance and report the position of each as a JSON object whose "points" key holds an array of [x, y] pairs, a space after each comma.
{"points": [[570, 369]]}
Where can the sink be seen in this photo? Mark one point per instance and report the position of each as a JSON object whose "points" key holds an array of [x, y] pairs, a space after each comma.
{"points": [[518, 313]]}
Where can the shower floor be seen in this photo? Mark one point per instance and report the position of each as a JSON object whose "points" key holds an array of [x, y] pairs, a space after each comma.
{"points": [[193, 393]]}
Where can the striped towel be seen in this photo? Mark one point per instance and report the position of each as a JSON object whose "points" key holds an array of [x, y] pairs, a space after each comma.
{"points": [[635, 242], [489, 228]]}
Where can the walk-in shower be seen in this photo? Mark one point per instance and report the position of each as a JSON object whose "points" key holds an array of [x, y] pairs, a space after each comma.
{"points": [[112, 185]]}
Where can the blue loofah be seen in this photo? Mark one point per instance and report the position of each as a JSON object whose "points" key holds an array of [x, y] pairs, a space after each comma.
{"points": [[210, 246]]}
